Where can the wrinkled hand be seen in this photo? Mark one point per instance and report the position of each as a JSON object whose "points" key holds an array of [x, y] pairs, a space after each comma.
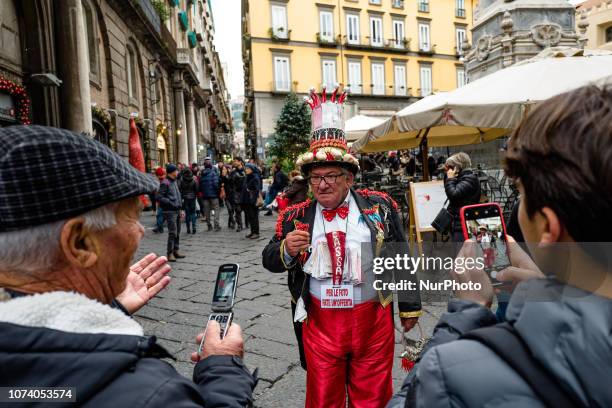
{"points": [[522, 268], [408, 323], [146, 278], [231, 345], [296, 242], [475, 275]]}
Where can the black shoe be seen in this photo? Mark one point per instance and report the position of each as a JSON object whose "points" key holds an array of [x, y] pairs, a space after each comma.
{"points": [[249, 236], [156, 231], [217, 228], [209, 227], [268, 213], [193, 232], [254, 236], [239, 228], [178, 255], [189, 230]]}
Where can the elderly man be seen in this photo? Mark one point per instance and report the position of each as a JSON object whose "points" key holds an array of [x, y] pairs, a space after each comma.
{"points": [[68, 230], [343, 323]]}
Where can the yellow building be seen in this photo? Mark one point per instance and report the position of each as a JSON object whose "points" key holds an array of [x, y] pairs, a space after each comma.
{"points": [[594, 17], [388, 52]]}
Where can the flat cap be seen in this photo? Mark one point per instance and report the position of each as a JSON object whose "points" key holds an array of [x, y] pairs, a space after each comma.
{"points": [[49, 174]]}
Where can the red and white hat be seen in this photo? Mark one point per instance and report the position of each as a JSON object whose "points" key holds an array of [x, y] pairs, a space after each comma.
{"points": [[328, 144]]}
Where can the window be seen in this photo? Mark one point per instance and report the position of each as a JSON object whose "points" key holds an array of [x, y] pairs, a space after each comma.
{"points": [[329, 74], [426, 85], [375, 2], [354, 77], [326, 19], [399, 83], [92, 40], [131, 73], [397, 3], [352, 24], [460, 8], [398, 34], [279, 21], [424, 6], [424, 44], [461, 78], [460, 37], [609, 34], [378, 78], [376, 33], [282, 74]]}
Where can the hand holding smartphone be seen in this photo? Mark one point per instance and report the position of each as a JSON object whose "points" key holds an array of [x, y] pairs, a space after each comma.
{"points": [[223, 299], [484, 224]]}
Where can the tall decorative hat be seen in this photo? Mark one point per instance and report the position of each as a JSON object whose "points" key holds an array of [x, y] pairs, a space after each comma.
{"points": [[327, 143]]}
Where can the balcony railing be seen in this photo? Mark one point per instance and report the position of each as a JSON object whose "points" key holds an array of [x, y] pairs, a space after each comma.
{"points": [[389, 45], [427, 49], [327, 41], [460, 12], [279, 34], [424, 7], [151, 14]]}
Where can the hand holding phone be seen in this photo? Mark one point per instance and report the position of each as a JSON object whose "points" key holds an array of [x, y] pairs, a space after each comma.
{"points": [[483, 223], [231, 345]]}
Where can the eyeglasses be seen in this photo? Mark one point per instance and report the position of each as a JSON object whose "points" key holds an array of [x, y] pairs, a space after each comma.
{"points": [[329, 179]]}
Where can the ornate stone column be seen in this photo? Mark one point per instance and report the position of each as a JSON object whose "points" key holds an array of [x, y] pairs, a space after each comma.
{"points": [[191, 132], [180, 123], [73, 66]]}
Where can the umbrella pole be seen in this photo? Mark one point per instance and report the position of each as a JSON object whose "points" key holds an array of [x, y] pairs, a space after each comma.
{"points": [[425, 150]]}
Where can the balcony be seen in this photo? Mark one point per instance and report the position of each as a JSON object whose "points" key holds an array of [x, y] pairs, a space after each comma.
{"points": [[327, 41], [426, 49], [150, 14], [389, 45], [280, 34], [460, 12], [183, 58], [423, 6]]}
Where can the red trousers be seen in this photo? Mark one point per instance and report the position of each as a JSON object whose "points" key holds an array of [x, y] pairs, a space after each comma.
{"points": [[349, 351]]}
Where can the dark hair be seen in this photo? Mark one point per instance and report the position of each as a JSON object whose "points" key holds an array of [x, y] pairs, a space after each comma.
{"points": [[562, 155], [239, 159]]}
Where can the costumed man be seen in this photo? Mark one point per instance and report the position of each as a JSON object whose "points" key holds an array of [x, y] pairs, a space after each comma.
{"points": [[344, 325]]}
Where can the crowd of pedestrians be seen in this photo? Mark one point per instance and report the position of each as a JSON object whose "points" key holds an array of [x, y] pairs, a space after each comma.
{"points": [[188, 194]]}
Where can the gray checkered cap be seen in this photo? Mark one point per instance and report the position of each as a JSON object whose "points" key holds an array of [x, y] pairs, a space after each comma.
{"points": [[49, 174]]}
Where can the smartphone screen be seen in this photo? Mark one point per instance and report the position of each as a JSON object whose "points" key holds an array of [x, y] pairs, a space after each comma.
{"points": [[484, 225], [225, 287]]}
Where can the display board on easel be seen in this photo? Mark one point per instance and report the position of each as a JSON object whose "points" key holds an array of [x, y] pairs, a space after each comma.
{"points": [[426, 201]]}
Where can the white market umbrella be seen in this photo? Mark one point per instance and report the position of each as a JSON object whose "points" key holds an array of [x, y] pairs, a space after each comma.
{"points": [[487, 108], [358, 126]]}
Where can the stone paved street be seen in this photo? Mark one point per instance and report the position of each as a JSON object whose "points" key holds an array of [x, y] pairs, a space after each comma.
{"points": [[178, 313]]}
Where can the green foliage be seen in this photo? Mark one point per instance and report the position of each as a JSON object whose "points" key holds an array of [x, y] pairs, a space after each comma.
{"points": [[161, 8], [292, 132]]}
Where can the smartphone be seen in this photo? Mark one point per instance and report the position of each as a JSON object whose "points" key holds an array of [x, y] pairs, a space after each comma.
{"points": [[484, 224], [223, 298]]}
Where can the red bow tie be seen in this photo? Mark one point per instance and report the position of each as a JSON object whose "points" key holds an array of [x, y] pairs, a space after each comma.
{"points": [[342, 212]]}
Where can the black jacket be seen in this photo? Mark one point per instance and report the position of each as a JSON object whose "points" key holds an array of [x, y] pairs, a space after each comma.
{"points": [[251, 189], [110, 370], [237, 181], [409, 303], [188, 186], [169, 195], [279, 182], [461, 191]]}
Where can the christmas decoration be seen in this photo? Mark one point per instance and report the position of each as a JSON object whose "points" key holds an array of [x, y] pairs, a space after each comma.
{"points": [[136, 156], [21, 98], [291, 133]]}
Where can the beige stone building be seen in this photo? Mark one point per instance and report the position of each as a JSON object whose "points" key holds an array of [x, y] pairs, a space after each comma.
{"points": [[598, 15], [90, 65]]}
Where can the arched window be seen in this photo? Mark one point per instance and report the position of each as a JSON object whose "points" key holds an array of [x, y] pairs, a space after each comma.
{"points": [[91, 31], [132, 76], [609, 34]]}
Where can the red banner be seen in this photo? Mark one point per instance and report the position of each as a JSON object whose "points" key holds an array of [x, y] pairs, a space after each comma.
{"points": [[335, 242]]}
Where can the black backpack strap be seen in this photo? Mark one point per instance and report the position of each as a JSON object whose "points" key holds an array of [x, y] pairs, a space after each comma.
{"points": [[506, 343]]}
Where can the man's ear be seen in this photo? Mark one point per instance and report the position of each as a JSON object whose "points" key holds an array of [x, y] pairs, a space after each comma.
{"points": [[549, 226], [78, 245], [350, 179]]}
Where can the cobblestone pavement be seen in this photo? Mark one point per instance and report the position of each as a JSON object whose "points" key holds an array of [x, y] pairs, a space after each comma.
{"points": [[263, 310]]}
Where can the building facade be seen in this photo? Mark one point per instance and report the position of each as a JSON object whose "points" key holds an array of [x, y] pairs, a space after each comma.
{"points": [[594, 17], [91, 65], [388, 52]]}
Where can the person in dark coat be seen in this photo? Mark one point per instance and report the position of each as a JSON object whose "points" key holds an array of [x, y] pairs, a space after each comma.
{"points": [[67, 288], [226, 194], [250, 193], [279, 182], [237, 180], [189, 193], [171, 202], [462, 188], [210, 188]]}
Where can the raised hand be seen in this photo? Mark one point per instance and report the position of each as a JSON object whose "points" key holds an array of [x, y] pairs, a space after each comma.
{"points": [[146, 279]]}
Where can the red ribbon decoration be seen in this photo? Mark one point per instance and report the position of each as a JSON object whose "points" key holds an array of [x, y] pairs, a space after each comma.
{"points": [[335, 243], [342, 212]]}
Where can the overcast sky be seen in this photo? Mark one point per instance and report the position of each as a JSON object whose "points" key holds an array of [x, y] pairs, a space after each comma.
{"points": [[226, 14]]}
